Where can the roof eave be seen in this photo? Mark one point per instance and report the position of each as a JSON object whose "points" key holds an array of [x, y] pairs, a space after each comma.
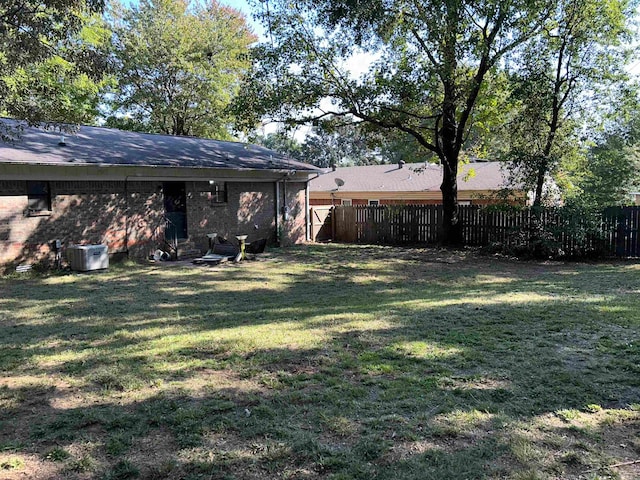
{"points": [[92, 171]]}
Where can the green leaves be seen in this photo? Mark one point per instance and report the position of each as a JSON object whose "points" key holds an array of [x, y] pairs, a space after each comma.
{"points": [[179, 66], [560, 85], [51, 66], [427, 63]]}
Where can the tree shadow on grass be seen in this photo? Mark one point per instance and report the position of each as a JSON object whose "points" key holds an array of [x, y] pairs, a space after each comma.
{"points": [[300, 422], [412, 366]]}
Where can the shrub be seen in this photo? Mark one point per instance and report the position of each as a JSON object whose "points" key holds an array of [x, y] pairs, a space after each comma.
{"points": [[550, 232]]}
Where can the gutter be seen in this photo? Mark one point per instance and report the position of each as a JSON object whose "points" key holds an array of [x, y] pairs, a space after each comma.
{"points": [[101, 172], [126, 215], [307, 207]]}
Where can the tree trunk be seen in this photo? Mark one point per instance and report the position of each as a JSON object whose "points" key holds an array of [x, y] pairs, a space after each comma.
{"points": [[542, 170], [451, 227]]}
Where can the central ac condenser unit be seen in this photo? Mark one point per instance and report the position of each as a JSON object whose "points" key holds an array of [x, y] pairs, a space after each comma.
{"points": [[83, 258]]}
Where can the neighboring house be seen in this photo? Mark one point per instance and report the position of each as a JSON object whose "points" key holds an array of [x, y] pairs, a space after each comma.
{"points": [[479, 183], [132, 191], [635, 198]]}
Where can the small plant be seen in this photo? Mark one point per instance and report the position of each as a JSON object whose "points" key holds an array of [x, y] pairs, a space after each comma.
{"points": [[371, 448], [113, 379], [568, 415], [117, 445], [83, 464], [341, 426], [528, 475], [524, 450], [163, 470], [11, 446], [592, 408], [571, 458], [13, 463], [57, 454], [123, 470]]}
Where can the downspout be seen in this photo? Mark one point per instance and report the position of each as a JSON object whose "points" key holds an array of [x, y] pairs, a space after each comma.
{"points": [[126, 215], [307, 217], [307, 207], [278, 212], [285, 214], [285, 210]]}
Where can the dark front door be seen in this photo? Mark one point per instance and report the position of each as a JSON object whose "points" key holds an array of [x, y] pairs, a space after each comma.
{"points": [[175, 207]]}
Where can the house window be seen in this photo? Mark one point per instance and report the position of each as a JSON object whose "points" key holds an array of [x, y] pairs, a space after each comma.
{"points": [[218, 193], [39, 197], [346, 202], [463, 203], [374, 202]]}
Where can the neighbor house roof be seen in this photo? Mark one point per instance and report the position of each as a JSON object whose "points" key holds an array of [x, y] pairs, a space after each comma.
{"points": [[480, 176], [108, 146]]}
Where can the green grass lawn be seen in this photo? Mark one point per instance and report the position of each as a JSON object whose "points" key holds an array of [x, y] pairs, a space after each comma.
{"points": [[337, 362]]}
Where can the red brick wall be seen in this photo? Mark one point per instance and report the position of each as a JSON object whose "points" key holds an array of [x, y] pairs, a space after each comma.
{"points": [[249, 205], [81, 212], [250, 210], [324, 201], [103, 212], [294, 228]]}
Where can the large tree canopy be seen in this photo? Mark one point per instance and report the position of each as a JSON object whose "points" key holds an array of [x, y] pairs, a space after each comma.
{"points": [[50, 61], [562, 79], [428, 64], [611, 169], [179, 65]]}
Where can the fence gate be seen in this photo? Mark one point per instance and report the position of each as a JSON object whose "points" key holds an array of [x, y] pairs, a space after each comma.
{"points": [[321, 223]]}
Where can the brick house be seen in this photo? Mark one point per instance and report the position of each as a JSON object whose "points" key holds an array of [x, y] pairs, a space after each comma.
{"points": [[479, 183], [133, 191]]}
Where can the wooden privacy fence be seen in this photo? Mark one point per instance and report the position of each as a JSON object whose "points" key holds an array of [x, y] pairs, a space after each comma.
{"points": [[616, 231]]}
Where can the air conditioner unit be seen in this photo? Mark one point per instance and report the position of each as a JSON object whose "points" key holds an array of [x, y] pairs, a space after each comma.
{"points": [[83, 258]]}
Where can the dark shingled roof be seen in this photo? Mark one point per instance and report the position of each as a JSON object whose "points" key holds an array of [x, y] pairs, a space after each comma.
{"points": [[413, 177], [108, 146]]}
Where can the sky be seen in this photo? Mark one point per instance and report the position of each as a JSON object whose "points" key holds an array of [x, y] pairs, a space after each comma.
{"points": [[243, 6], [356, 64]]}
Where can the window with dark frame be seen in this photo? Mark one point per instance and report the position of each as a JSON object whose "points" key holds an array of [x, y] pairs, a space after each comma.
{"points": [[39, 197], [218, 193]]}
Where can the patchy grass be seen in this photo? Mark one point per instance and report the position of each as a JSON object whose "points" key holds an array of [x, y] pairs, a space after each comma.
{"points": [[337, 362]]}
